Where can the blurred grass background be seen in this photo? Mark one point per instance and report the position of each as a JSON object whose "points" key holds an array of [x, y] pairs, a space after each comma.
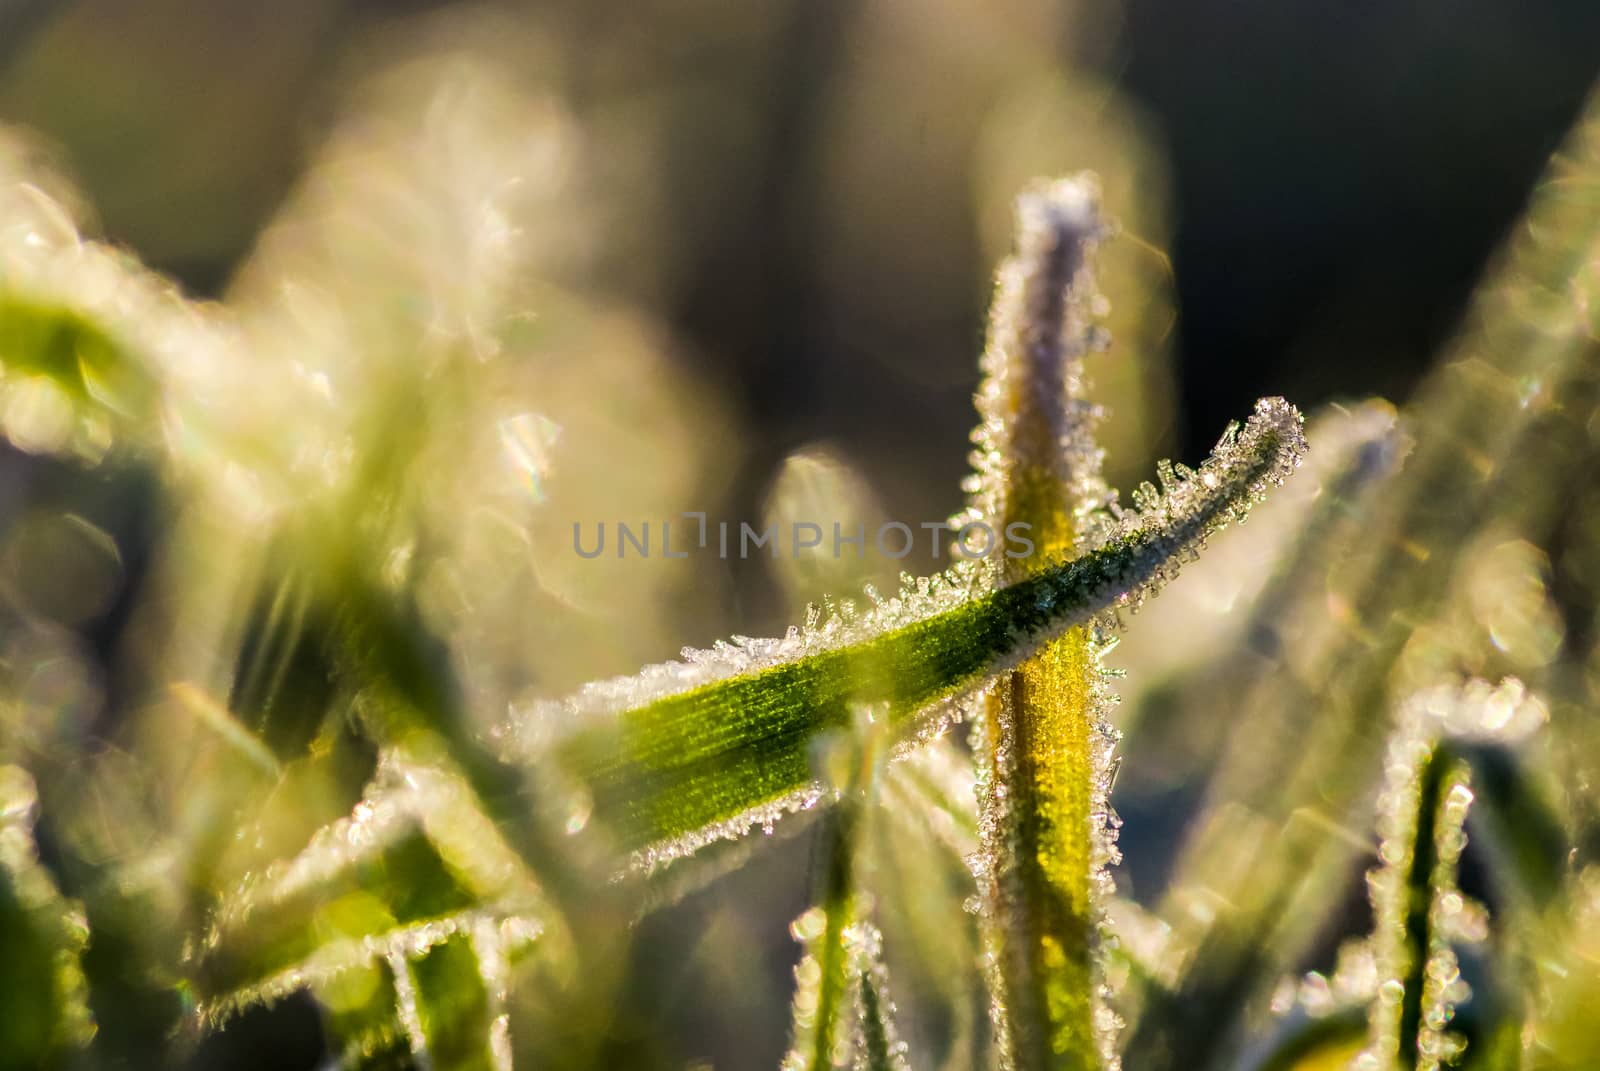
{"points": [[800, 205], [810, 195]]}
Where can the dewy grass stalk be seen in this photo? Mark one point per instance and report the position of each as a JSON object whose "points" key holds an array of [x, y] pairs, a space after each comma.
{"points": [[1044, 743]]}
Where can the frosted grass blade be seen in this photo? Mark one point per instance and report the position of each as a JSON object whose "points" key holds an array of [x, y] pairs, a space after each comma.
{"points": [[670, 773]]}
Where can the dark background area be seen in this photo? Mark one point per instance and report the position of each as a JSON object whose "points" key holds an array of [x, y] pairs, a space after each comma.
{"points": [[1342, 172]]}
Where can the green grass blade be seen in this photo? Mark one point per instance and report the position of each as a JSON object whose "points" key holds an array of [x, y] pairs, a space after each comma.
{"points": [[1416, 903], [1418, 906], [881, 1048], [415, 864], [1042, 744], [839, 847], [453, 1010], [361, 1014], [669, 773], [44, 1016], [826, 1004]]}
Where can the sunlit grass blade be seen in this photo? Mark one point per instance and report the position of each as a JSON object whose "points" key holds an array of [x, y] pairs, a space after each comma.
{"points": [[667, 774], [452, 1009], [1042, 744]]}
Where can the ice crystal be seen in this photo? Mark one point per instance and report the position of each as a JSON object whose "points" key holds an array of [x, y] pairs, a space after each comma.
{"points": [[765, 817], [1421, 914], [404, 799], [1033, 409], [865, 1037]]}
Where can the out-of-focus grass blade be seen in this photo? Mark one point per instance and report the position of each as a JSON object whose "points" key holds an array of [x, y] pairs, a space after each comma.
{"points": [[361, 1013], [44, 1013], [77, 356], [415, 864], [1510, 399], [1316, 1043], [404, 884], [449, 1004], [1517, 824]]}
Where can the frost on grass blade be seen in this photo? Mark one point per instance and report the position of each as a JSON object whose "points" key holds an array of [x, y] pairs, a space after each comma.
{"points": [[1048, 839], [452, 1007], [1216, 624], [1415, 897], [45, 1015], [879, 1044], [828, 1004], [415, 865], [1034, 446], [863, 1036], [1421, 914], [668, 755], [1041, 736]]}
